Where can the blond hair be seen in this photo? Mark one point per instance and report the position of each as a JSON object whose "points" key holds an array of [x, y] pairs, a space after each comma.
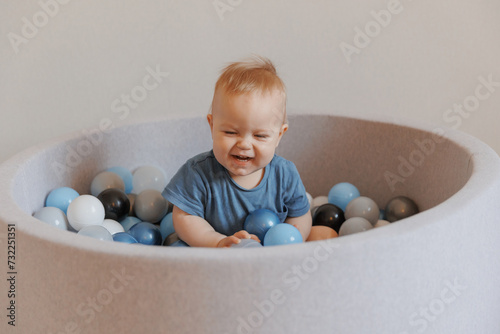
{"points": [[255, 74]]}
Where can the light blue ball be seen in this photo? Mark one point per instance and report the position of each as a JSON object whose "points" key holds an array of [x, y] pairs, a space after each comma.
{"points": [[128, 222], [126, 176], [97, 232], [124, 237], [179, 243], [61, 198], [247, 243], [282, 234], [342, 193], [53, 216], [167, 226]]}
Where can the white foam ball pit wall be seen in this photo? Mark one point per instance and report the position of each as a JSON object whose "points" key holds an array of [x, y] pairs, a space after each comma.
{"points": [[436, 271]]}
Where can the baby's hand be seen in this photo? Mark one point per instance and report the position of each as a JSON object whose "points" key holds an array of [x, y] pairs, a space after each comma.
{"points": [[235, 238]]}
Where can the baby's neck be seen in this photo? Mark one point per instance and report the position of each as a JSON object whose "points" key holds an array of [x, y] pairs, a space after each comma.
{"points": [[249, 181]]}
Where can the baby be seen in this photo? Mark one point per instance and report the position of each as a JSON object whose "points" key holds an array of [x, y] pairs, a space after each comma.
{"points": [[213, 192]]}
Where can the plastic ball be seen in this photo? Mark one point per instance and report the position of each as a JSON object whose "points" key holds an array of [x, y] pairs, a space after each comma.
{"points": [[125, 175], [321, 233], [61, 198], [342, 193], [381, 223], [170, 239], [53, 216], [363, 207], [328, 215], [149, 178], [112, 226], [355, 225], [309, 199], [400, 207], [128, 222], [150, 206], [319, 201], [97, 232], [85, 210], [116, 203], [146, 233], [282, 234], [260, 221], [106, 180], [124, 237], [179, 243], [247, 243], [167, 226]]}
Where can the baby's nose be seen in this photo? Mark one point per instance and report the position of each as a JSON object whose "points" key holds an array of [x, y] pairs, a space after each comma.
{"points": [[244, 143]]}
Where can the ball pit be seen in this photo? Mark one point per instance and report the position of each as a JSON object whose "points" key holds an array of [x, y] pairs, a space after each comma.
{"points": [[387, 274]]}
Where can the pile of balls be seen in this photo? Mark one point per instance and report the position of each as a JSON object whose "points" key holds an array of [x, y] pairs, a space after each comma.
{"points": [[130, 208], [121, 207], [344, 211]]}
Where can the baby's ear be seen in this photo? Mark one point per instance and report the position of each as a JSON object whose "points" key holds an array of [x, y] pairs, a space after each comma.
{"points": [[283, 129], [210, 121]]}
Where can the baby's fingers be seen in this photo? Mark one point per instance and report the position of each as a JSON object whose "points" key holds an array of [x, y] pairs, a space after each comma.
{"points": [[228, 241], [242, 234]]}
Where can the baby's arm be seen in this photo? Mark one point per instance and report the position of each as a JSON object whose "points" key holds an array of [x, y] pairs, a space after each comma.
{"points": [[197, 232], [302, 223]]}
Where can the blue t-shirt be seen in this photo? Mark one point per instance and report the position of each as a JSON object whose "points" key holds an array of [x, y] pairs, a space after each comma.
{"points": [[204, 188]]}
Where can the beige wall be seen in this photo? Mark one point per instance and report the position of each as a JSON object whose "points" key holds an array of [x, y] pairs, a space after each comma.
{"points": [[69, 65]]}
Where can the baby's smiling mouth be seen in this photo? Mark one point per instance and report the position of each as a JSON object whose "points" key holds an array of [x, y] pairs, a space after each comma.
{"points": [[241, 157]]}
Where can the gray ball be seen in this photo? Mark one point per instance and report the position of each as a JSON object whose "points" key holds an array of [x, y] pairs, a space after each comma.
{"points": [[400, 207], [354, 225], [363, 207], [150, 206]]}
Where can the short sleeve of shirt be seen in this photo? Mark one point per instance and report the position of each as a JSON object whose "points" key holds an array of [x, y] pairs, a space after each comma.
{"points": [[294, 194], [187, 190]]}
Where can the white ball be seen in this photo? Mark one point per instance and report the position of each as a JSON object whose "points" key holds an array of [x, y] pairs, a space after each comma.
{"points": [[318, 201], [148, 178], [85, 210], [112, 226], [52, 216], [310, 199]]}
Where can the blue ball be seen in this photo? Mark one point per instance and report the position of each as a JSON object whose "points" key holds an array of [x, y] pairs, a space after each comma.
{"points": [[61, 198], [282, 234], [128, 222], [260, 221], [179, 243], [146, 233], [126, 176], [246, 243], [124, 237], [342, 193], [167, 226]]}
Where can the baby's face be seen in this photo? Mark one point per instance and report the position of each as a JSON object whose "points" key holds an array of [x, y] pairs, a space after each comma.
{"points": [[246, 129]]}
